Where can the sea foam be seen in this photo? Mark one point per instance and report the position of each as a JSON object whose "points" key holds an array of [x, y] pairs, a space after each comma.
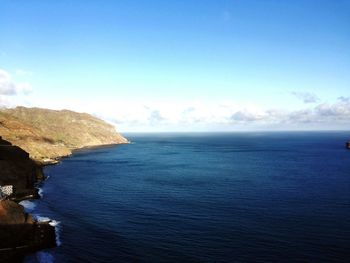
{"points": [[54, 223], [40, 192], [28, 205]]}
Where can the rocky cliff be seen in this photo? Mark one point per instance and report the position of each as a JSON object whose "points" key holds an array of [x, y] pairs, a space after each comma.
{"points": [[29, 138], [18, 170], [19, 232], [50, 134]]}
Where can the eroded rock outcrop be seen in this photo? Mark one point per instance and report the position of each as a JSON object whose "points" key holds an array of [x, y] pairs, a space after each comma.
{"points": [[18, 170], [13, 213], [19, 232], [31, 138]]}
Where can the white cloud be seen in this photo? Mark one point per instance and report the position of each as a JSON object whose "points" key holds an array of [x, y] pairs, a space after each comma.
{"points": [[214, 116], [155, 117], [11, 91], [140, 114], [3, 102], [8, 87], [245, 116], [336, 111], [22, 72], [299, 117], [24, 87], [344, 99], [306, 97]]}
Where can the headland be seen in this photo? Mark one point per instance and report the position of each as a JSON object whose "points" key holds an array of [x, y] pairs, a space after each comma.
{"points": [[31, 138]]}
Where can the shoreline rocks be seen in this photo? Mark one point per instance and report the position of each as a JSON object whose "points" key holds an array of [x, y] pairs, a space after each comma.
{"points": [[18, 240], [19, 232], [19, 171], [32, 138]]}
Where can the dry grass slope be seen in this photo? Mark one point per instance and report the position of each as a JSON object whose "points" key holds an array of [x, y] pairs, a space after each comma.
{"points": [[50, 134]]}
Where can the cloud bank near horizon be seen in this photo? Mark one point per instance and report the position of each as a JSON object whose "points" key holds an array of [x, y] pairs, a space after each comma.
{"points": [[231, 117], [192, 115], [306, 97], [8, 87]]}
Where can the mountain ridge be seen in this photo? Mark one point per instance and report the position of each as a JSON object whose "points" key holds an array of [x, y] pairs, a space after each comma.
{"points": [[48, 135]]}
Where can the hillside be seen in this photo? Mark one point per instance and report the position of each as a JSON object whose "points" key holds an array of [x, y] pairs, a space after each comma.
{"points": [[50, 134]]}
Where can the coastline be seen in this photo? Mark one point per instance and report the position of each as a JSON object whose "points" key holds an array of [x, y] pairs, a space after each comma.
{"points": [[30, 139], [36, 235], [95, 147], [57, 160], [21, 233]]}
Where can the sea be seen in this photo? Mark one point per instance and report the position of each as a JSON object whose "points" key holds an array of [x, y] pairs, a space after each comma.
{"points": [[202, 197]]}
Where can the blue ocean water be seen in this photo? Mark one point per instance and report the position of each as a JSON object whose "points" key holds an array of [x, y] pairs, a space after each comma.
{"points": [[239, 197]]}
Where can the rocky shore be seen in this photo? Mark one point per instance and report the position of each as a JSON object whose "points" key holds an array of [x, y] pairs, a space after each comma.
{"points": [[30, 139], [20, 233]]}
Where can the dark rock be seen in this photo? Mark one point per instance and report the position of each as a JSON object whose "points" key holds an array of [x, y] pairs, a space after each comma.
{"points": [[19, 233], [13, 213], [17, 169], [16, 240]]}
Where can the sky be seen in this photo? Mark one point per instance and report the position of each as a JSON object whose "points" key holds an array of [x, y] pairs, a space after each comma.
{"points": [[181, 65]]}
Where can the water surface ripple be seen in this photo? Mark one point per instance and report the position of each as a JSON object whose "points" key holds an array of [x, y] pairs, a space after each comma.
{"points": [[254, 197]]}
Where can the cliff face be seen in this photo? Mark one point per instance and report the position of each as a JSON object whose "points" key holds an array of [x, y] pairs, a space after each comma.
{"points": [[19, 233], [28, 137], [49, 134], [17, 169], [12, 213]]}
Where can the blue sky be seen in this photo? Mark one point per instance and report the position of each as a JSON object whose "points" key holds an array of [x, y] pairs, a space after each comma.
{"points": [[181, 65]]}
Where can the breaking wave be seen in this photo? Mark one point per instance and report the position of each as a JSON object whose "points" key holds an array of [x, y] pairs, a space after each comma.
{"points": [[40, 192], [28, 205], [54, 223]]}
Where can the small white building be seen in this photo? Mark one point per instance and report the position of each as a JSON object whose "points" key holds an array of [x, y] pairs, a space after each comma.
{"points": [[6, 190]]}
